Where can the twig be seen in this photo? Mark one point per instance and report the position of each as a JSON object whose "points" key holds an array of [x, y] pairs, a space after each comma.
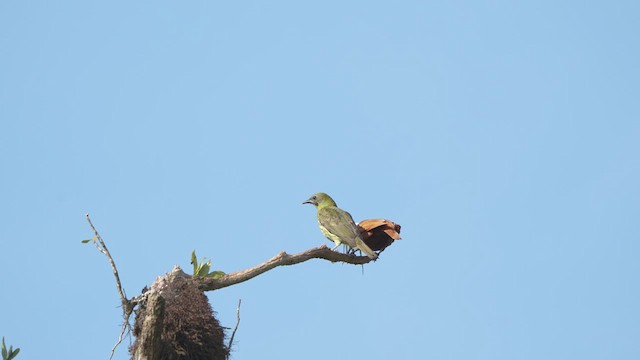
{"points": [[281, 259], [127, 305], [125, 326], [235, 329], [102, 247]]}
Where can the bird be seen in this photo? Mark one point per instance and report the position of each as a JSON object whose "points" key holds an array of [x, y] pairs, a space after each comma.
{"points": [[378, 234], [338, 225]]}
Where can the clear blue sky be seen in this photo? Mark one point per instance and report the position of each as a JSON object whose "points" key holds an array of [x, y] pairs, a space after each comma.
{"points": [[504, 136]]}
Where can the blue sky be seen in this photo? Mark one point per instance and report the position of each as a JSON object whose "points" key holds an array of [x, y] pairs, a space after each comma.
{"points": [[503, 136]]}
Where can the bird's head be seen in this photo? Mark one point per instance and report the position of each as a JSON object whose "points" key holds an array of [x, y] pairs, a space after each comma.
{"points": [[320, 200]]}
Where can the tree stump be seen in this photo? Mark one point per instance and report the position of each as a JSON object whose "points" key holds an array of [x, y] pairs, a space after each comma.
{"points": [[176, 322]]}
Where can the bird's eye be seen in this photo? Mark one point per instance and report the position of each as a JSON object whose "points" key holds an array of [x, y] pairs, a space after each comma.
{"points": [[313, 197]]}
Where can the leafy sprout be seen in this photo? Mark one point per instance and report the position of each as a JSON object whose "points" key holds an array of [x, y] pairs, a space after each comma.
{"points": [[201, 268], [10, 354]]}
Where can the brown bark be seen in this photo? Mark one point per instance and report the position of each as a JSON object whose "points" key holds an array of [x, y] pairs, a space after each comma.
{"points": [[150, 338]]}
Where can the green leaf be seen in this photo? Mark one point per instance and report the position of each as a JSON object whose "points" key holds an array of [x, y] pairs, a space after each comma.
{"points": [[204, 269], [4, 349], [13, 353], [88, 240], [216, 274], [194, 262]]}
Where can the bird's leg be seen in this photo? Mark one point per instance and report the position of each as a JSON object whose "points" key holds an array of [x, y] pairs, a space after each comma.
{"points": [[335, 247]]}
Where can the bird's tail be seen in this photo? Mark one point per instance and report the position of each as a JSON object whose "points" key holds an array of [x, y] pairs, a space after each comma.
{"points": [[365, 249]]}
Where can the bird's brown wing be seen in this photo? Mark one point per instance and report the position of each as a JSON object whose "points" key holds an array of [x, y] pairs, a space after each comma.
{"points": [[376, 225], [378, 234]]}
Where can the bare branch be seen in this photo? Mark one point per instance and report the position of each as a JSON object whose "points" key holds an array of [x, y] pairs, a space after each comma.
{"points": [[102, 247], [281, 259], [233, 335], [125, 326], [127, 305]]}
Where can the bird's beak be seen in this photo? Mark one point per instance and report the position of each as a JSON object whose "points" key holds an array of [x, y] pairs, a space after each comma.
{"points": [[310, 202]]}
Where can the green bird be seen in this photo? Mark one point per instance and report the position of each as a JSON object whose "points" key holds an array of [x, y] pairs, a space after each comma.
{"points": [[338, 225]]}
